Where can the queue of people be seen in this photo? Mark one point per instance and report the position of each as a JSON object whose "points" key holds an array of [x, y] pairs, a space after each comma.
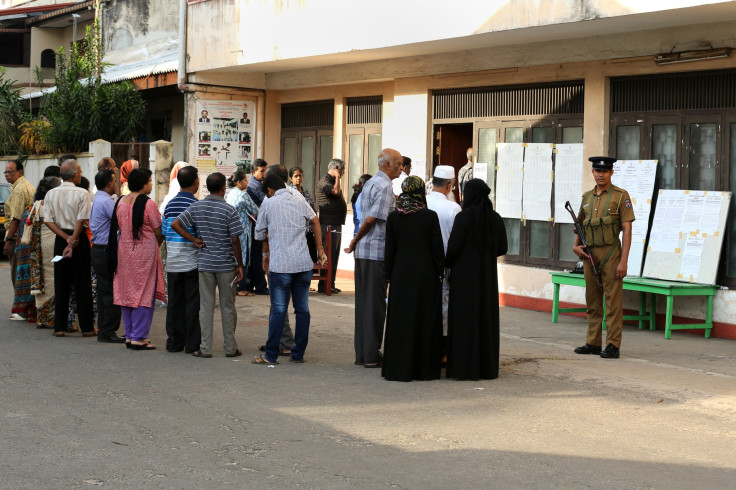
{"points": [[425, 267]]}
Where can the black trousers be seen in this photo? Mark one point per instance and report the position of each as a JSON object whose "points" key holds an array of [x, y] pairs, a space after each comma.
{"points": [[257, 276], [335, 248], [76, 271], [182, 312], [108, 313]]}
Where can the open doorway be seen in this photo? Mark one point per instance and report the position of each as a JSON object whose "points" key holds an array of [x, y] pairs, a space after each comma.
{"points": [[451, 142]]}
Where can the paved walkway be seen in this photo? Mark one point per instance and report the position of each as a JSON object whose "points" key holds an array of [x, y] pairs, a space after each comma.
{"points": [[76, 413]]}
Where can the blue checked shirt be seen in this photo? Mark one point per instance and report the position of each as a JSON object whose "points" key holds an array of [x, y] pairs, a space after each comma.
{"points": [[283, 217], [377, 201]]}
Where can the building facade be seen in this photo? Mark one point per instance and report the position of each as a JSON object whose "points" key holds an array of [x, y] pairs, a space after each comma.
{"points": [[635, 80]]}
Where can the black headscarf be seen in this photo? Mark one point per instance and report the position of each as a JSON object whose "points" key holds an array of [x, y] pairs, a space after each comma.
{"points": [[477, 203]]}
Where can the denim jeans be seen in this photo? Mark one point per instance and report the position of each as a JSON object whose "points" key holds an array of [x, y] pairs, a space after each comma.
{"points": [[282, 287]]}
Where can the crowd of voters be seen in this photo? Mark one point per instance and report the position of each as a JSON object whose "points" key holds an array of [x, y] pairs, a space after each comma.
{"points": [[426, 287]]}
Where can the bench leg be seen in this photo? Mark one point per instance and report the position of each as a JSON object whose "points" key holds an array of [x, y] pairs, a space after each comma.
{"points": [[555, 303], [668, 319], [652, 311], [642, 308], [708, 316]]}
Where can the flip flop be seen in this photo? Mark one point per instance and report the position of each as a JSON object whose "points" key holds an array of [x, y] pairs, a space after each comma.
{"points": [[262, 360], [282, 352], [17, 317]]}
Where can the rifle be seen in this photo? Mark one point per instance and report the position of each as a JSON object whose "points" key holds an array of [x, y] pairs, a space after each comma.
{"points": [[581, 234]]}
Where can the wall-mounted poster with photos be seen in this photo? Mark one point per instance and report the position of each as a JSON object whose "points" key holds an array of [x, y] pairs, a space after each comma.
{"points": [[225, 130]]}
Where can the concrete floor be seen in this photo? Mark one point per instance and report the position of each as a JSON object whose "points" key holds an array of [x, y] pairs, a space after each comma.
{"points": [[76, 413]]}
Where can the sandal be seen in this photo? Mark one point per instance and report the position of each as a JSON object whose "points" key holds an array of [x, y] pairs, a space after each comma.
{"points": [[59, 334], [262, 360], [282, 352], [201, 354], [242, 293], [143, 346]]}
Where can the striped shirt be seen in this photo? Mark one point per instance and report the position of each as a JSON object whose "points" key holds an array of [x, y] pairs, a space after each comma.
{"points": [[66, 204], [377, 201], [283, 217], [21, 196], [216, 222], [181, 254]]}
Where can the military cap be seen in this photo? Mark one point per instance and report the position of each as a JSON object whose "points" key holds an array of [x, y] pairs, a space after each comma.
{"points": [[602, 163]]}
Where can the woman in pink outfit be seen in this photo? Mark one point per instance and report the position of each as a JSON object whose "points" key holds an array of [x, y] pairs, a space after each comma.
{"points": [[139, 279]]}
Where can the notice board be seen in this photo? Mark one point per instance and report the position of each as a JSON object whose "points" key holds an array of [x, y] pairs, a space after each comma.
{"points": [[687, 235], [637, 178]]}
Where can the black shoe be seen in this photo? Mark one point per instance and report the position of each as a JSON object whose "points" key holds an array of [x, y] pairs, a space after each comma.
{"points": [[611, 352], [112, 339], [588, 349], [234, 354], [336, 291], [175, 349]]}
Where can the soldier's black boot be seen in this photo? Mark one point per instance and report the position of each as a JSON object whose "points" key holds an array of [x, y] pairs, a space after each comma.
{"points": [[588, 349]]}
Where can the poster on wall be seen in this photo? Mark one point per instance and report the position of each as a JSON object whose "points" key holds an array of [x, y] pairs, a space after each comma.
{"points": [[225, 137]]}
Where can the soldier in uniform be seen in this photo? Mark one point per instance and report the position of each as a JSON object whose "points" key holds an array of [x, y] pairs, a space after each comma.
{"points": [[605, 211]]}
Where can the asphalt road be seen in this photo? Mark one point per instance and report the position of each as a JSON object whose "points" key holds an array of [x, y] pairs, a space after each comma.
{"points": [[76, 413]]}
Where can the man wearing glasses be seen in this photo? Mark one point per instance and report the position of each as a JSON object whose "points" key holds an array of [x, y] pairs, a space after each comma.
{"points": [[21, 196]]}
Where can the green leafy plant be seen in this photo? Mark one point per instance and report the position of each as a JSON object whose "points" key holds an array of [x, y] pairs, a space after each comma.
{"points": [[82, 109], [12, 115], [33, 136]]}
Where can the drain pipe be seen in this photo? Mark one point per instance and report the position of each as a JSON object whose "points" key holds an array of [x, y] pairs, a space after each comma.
{"points": [[182, 82]]}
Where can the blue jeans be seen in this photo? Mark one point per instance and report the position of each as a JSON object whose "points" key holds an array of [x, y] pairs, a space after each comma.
{"points": [[283, 286]]}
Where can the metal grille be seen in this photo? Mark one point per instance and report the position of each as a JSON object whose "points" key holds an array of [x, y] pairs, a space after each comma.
{"points": [[365, 110], [515, 100], [308, 114], [686, 91]]}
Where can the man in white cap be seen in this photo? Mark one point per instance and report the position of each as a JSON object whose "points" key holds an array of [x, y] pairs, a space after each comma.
{"points": [[437, 201]]}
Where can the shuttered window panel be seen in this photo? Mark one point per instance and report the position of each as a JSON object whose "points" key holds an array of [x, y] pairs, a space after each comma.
{"points": [[679, 92], [515, 100], [364, 110], [320, 113]]}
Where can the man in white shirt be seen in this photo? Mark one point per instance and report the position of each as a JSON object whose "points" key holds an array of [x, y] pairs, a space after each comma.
{"points": [[405, 170], [437, 201]]}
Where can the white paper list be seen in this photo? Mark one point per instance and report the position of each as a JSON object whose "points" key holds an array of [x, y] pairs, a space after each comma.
{"points": [[509, 179], [537, 182], [692, 256], [568, 180]]}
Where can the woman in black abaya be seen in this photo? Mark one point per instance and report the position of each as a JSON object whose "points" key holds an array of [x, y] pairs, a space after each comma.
{"points": [[413, 266], [478, 237]]}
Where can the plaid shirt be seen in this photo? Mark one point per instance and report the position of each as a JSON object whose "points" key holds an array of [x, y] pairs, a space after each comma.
{"points": [[283, 217], [377, 201], [21, 196]]}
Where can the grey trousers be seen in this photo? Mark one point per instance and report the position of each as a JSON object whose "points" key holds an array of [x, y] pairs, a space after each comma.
{"points": [[207, 283], [370, 309]]}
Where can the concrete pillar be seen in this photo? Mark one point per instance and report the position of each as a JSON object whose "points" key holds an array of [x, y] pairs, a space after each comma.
{"points": [[596, 120], [99, 150], [160, 162]]}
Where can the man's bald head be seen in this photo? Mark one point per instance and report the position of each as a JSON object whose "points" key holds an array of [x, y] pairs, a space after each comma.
{"points": [[70, 169], [390, 162], [106, 163]]}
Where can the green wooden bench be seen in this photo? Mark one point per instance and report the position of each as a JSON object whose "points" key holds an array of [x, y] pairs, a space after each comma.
{"points": [[644, 286]]}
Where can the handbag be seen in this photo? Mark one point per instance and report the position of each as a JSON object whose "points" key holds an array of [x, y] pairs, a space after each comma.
{"points": [[27, 236]]}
